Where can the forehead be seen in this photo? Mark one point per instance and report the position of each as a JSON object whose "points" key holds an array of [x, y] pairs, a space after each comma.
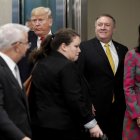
{"points": [[39, 16], [76, 40], [40, 12], [104, 19]]}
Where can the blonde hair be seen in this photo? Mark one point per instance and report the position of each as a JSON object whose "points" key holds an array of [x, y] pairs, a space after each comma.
{"points": [[42, 10]]}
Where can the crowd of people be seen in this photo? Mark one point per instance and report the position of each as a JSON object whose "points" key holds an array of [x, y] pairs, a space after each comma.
{"points": [[85, 90]]}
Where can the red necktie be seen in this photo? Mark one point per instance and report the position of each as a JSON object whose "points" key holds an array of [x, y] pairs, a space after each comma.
{"points": [[42, 38]]}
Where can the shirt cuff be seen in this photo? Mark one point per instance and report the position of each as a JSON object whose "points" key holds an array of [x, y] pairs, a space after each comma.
{"points": [[91, 124]]}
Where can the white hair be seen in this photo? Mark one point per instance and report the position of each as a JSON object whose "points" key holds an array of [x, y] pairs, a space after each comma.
{"points": [[11, 33]]}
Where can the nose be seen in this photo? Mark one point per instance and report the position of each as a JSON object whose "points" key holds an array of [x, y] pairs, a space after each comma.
{"points": [[79, 50], [37, 22], [103, 26]]}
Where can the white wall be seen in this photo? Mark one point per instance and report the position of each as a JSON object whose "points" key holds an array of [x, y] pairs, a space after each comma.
{"points": [[5, 11], [126, 13]]}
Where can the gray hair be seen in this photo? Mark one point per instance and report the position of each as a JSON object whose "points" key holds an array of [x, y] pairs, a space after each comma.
{"points": [[42, 10], [11, 33], [106, 15]]}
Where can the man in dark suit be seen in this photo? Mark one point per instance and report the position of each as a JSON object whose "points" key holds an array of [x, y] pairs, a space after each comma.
{"points": [[105, 80], [14, 114], [41, 19]]}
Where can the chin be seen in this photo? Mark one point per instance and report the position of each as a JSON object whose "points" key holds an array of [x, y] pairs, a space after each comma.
{"points": [[75, 59]]}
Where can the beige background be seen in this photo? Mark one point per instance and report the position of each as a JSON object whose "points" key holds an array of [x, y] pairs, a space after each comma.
{"points": [[126, 13], [5, 11]]}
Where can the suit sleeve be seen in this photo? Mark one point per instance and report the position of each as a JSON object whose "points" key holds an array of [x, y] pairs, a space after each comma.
{"points": [[7, 127], [75, 99]]}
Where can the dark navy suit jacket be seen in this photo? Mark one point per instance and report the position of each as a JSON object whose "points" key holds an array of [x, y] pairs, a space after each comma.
{"points": [[14, 115], [25, 67], [94, 63], [59, 94]]}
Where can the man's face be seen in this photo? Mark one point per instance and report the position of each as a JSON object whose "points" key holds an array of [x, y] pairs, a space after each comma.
{"points": [[41, 24], [104, 28], [21, 47]]}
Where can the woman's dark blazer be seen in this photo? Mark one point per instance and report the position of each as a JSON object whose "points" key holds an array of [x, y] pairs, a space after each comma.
{"points": [[59, 94]]}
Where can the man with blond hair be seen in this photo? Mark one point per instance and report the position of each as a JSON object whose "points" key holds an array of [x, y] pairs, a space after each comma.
{"points": [[41, 19]]}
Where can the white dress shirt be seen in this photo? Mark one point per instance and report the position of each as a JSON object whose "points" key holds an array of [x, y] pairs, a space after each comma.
{"points": [[113, 53], [39, 40]]}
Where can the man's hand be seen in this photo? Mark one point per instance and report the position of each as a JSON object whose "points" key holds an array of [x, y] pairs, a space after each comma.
{"points": [[96, 132], [138, 121], [26, 138]]}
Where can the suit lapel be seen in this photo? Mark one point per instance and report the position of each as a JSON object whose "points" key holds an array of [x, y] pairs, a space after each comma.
{"points": [[12, 79], [9, 73], [119, 53]]}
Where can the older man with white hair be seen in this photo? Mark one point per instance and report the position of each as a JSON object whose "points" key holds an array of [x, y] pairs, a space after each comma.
{"points": [[14, 114]]}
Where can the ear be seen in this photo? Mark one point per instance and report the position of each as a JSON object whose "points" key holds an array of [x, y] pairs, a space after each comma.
{"points": [[114, 29], [16, 48], [50, 22], [63, 47]]}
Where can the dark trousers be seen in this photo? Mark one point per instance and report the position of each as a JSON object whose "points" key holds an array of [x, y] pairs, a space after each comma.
{"points": [[112, 124], [40, 133]]}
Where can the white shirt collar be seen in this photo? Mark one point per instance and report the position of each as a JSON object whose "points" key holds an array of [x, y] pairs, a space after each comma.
{"points": [[50, 33], [110, 43], [39, 41], [11, 64]]}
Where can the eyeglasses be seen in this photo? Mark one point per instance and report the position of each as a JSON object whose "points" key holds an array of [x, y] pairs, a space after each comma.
{"points": [[24, 43]]}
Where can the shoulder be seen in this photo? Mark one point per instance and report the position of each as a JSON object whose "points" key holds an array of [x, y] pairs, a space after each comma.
{"points": [[132, 55], [87, 45], [4, 71], [90, 41], [121, 46], [31, 35], [131, 52]]}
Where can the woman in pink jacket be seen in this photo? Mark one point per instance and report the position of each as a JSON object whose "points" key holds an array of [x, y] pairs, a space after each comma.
{"points": [[131, 127]]}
